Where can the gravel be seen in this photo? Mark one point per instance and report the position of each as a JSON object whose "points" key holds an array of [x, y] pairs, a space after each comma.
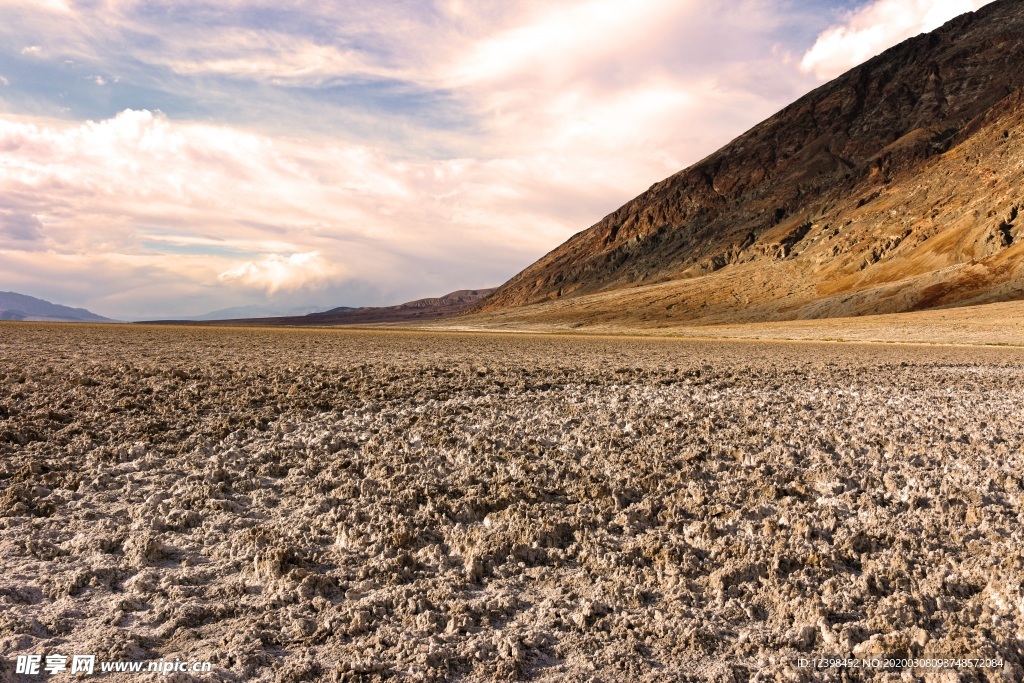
{"points": [[366, 505]]}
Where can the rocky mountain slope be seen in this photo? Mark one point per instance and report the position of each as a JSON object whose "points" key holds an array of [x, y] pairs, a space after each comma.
{"points": [[895, 187], [14, 306]]}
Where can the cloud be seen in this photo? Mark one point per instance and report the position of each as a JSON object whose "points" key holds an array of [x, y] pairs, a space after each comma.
{"points": [[4, 81], [276, 272], [264, 55], [220, 206], [20, 226], [48, 6], [876, 27], [557, 40], [414, 148]]}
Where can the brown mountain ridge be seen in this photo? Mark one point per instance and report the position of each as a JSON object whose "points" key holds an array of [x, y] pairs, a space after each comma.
{"points": [[896, 187], [420, 310]]}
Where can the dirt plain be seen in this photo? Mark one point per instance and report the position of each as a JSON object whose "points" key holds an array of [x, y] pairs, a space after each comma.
{"points": [[368, 505]]}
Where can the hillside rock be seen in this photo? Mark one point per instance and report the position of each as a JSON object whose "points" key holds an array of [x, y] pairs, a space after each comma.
{"points": [[895, 187]]}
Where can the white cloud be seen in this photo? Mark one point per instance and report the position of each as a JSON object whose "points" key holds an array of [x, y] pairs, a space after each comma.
{"points": [[559, 112], [4, 81], [554, 41], [262, 55], [876, 27], [49, 6], [213, 205], [32, 50], [276, 272]]}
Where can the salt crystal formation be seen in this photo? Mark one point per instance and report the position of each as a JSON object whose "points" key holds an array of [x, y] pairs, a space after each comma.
{"points": [[326, 505]]}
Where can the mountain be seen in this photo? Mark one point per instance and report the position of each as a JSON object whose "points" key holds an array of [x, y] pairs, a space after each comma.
{"points": [[435, 308], [252, 311], [896, 187], [14, 306]]}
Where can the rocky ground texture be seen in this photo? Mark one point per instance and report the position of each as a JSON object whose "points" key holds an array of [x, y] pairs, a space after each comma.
{"points": [[326, 505]]}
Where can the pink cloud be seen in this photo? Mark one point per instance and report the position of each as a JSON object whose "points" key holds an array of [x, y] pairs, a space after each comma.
{"points": [[298, 213], [572, 108]]}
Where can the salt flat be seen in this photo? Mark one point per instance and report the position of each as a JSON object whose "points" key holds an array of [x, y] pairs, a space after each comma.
{"points": [[359, 505], [995, 324]]}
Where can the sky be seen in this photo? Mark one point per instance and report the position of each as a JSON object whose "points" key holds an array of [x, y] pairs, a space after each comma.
{"points": [[165, 158]]}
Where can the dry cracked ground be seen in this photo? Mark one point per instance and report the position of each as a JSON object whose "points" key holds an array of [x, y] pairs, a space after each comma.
{"points": [[352, 505]]}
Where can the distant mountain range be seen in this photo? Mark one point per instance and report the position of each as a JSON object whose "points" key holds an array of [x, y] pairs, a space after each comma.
{"points": [[252, 311], [20, 307], [433, 308], [14, 306], [896, 187]]}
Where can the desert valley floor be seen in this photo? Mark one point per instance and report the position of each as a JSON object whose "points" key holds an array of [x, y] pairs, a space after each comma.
{"points": [[367, 505]]}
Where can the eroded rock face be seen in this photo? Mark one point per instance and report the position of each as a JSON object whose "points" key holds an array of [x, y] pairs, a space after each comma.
{"points": [[893, 188], [325, 505]]}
